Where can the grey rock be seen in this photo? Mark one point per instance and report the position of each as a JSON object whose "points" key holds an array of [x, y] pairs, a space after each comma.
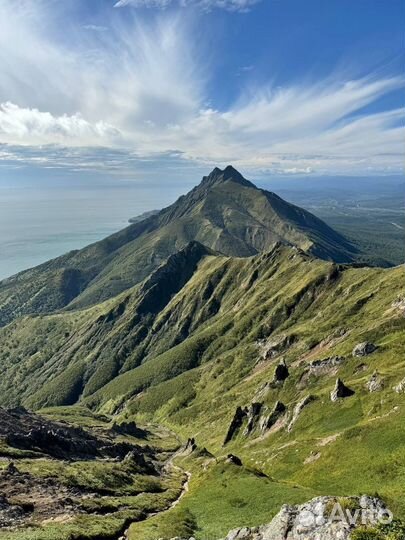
{"points": [[190, 446], [340, 391], [298, 409], [375, 383], [129, 428], [266, 422], [400, 388], [253, 415], [313, 521], [10, 514], [326, 364], [273, 347], [399, 304], [363, 349]]}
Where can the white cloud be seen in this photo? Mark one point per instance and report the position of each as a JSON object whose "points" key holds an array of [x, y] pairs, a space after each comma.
{"points": [[207, 5], [141, 87], [31, 126]]}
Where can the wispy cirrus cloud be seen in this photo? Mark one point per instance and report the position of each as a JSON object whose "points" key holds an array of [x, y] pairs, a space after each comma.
{"points": [[229, 5], [141, 88]]}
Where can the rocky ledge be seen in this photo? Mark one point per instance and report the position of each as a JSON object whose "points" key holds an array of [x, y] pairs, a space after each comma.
{"points": [[32, 432], [322, 518]]}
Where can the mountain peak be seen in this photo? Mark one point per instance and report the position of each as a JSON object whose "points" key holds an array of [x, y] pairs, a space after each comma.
{"points": [[218, 176]]}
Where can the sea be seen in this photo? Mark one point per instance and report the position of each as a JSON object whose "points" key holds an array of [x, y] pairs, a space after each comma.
{"points": [[40, 223]]}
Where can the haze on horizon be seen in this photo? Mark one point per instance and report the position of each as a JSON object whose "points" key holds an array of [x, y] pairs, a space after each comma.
{"points": [[136, 88]]}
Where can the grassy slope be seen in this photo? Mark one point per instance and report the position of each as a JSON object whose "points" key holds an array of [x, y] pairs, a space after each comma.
{"points": [[127, 494], [201, 358], [225, 213]]}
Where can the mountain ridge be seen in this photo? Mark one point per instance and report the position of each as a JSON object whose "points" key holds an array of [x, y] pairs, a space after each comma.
{"points": [[225, 212]]}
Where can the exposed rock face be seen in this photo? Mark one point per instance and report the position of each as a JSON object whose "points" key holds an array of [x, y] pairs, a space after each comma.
{"points": [[281, 372], [253, 414], [28, 431], [189, 447], [236, 424], [375, 383], [10, 514], [297, 410], [271, 348], [270, 420], [235, 460], [400, 388], [314, 521], [326, 364], [256, 418], [129, 428], [399, 304], [364, 349], [340, 391]]}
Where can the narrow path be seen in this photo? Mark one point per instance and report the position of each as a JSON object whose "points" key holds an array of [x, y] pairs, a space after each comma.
{"points": [[184, 489]]}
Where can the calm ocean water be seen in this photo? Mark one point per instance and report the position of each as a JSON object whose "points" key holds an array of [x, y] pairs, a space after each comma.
{"points": [[37, 224]]}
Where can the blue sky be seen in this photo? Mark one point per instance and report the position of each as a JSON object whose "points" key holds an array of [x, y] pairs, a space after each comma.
{"points": [[139, 89]]}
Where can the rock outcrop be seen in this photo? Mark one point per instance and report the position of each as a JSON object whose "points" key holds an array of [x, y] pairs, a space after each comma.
{"points": [[273, 347], [340, 391], [400, 388], [326, 364], [298, 409], [34, 433], [10, 514], [364, 349], [129, 428], [280, 373], [253, 414], [235, 460], [256, 418], [399, 304], [268, 421], [375, 383], [236, 423], [323, 518]]}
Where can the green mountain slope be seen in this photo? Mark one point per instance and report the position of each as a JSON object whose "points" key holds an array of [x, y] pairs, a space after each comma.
{"points": [[208, 343], [225, 212]]}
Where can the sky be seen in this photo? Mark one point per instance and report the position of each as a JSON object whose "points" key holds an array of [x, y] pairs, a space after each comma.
{"points": [[158, 89]]}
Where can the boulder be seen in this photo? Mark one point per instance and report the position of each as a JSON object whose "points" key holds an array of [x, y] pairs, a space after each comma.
{"points": [[326, 364], [340, 391], [375, 383], [235, 460], [11, 469], [281, 372], [363, 349], [322, 518], [400, 388]]}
